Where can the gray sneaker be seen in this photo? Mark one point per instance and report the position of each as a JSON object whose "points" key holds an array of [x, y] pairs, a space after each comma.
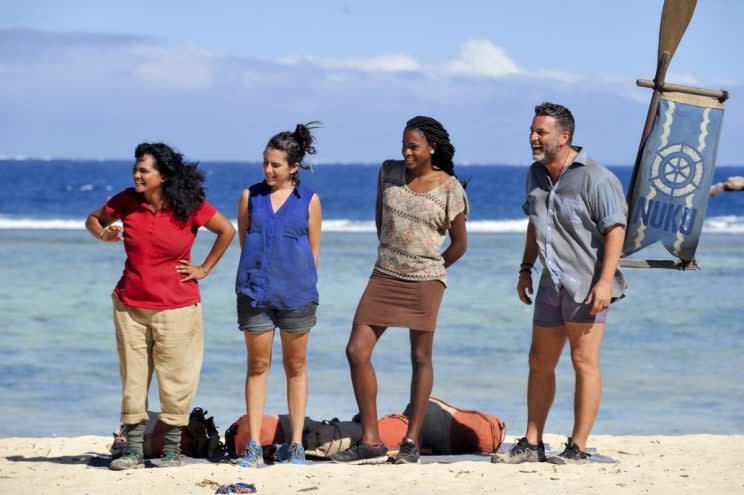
{"points": [[170, 458], [130, 460], [362, 453], [570, 455], [522, 451]]}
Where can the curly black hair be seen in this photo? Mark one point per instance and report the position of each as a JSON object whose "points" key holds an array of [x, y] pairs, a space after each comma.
{"points": [[183, 187], [436, 135], [296, 144]]}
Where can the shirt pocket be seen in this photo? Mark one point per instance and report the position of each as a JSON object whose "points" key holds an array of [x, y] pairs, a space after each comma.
{"points": [[571, 209]]}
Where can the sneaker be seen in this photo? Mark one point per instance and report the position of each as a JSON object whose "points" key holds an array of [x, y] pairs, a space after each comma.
{"points": [[522, 451], [570, 455], [170, 458], [252, 456], [296, 454], [362, 453], [130, 460], [282, 453], [409, 453]]}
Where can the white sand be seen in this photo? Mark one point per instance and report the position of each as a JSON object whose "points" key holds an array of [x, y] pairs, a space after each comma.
{"points": [[692, 464]]}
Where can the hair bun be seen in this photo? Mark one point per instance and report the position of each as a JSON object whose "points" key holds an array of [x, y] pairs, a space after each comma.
{"points": [[304, 138]]}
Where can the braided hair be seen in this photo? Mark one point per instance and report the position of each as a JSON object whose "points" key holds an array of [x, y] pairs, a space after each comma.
{"points": [[183, 187], [296, 145], [436, 135]]}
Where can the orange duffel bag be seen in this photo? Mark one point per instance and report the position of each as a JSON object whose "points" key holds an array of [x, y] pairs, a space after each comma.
{"points": [[237, 435], [450, 430], [393, 428]]}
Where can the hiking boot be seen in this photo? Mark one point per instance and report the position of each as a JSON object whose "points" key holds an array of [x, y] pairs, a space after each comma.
{"points": [[252, 456], [170, 458], [296, 454], [408, 453], [522, 451], [130, 460], [570, 455], [362, 453]]}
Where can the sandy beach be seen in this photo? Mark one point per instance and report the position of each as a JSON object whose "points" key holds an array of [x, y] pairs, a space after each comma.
{"points": [[645, 464]]}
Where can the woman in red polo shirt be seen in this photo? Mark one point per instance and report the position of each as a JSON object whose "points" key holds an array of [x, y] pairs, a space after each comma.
{"points": [[157, 310]]}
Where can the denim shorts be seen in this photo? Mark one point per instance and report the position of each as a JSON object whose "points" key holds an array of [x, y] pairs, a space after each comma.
{"points": [[259, 320], [553, 309]]}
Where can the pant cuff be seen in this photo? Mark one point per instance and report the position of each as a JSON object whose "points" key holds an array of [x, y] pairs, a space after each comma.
{"points": [[174, 419], [133, 419]]}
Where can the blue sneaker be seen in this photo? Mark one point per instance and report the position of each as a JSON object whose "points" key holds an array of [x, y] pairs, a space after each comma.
{"points": [[296, 454], [252, 456], [292, 453]]}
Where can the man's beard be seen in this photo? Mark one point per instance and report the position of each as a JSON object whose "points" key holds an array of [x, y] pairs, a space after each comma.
{"points": [[548, 153]]}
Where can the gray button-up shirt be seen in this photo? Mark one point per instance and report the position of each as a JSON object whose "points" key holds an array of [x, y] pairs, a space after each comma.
{"points": [[570, 218]]}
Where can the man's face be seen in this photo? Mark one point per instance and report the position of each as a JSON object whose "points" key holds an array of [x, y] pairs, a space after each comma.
{"points": [[546, 138]]}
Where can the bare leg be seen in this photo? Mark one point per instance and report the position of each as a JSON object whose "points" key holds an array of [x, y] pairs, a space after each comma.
{"points": [[422, 380], [258, 346], [547, 344], [362, 342], [294, 350], [586, 342]]}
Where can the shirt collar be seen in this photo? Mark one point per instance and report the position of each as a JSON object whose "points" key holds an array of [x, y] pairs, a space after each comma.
{"points": [[581, 157]]}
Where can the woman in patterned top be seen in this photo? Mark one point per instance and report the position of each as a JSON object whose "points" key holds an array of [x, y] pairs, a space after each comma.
{"points": [[419, 201]]}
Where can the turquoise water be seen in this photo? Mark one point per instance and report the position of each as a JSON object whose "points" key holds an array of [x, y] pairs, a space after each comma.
{"points": [[672, 357]]}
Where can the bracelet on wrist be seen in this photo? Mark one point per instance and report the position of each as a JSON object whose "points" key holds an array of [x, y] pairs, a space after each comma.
{"points": [[526, 265]]}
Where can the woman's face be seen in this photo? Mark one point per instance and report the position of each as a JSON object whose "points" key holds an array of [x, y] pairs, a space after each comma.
{"points": [[147, 178], [416, 150], [276, 168]]}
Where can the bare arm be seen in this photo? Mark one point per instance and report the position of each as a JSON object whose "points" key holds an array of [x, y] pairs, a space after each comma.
{"points": [[601, 294], [225, 233], [458, 241], [378, 205], [99, 226], [314, 223], [244, 218], [524, 285]]}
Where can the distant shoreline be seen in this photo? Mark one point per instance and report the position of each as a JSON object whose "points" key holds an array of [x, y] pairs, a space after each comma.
{"points": [[208, 161]]}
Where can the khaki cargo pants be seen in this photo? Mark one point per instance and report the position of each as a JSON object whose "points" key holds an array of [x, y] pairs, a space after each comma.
{"points": [[169, 341]]}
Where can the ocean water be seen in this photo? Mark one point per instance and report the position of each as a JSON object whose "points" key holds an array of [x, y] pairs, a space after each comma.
{"points": [[672, 357]]}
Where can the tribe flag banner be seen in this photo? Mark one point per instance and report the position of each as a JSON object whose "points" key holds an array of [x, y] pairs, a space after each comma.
{"points": [[673, 180]]}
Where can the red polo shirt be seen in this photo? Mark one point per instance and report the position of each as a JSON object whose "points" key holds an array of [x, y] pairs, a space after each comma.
{"points": [[154, 242]]}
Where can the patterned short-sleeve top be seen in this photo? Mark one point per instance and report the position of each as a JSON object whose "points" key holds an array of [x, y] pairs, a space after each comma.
{"points": [[414, 225]]}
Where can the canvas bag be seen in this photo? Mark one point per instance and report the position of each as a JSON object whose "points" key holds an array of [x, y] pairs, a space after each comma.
{"points": [[450, 430], [319, 438]]}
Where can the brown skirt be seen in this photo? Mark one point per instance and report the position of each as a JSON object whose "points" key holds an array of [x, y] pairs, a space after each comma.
{"points": [[392, 302]]}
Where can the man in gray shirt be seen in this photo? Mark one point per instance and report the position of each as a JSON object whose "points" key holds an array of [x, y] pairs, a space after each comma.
{"points": [[577, 221]]}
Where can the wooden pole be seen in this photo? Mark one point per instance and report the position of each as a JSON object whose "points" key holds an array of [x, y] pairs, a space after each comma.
{"points": [[719, 94]]}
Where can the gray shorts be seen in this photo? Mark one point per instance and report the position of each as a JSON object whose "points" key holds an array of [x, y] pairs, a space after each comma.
{"points": [[259, 320], [553, 309]]}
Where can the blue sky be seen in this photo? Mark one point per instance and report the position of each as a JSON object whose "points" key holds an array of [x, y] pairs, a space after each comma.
{"points": [[92, 79]]}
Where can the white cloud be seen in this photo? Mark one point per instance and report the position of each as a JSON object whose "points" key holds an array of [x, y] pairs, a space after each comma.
{"points": [[183, 67], [483, 58], [557, 75], [379, 63], [478, 58], [684, 78]]}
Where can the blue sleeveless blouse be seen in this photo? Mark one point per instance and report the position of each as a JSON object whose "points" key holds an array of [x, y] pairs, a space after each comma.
{"points": [[276, 268]]}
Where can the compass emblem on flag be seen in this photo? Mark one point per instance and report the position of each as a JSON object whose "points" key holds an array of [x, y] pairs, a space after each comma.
{"points": [[677, 170]]}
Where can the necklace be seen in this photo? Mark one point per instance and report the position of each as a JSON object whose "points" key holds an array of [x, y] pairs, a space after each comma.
{"points": [[563, 167]]}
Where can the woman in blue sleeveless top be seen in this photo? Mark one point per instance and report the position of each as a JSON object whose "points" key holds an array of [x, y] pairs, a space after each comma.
{"points": [[279, 226]]}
